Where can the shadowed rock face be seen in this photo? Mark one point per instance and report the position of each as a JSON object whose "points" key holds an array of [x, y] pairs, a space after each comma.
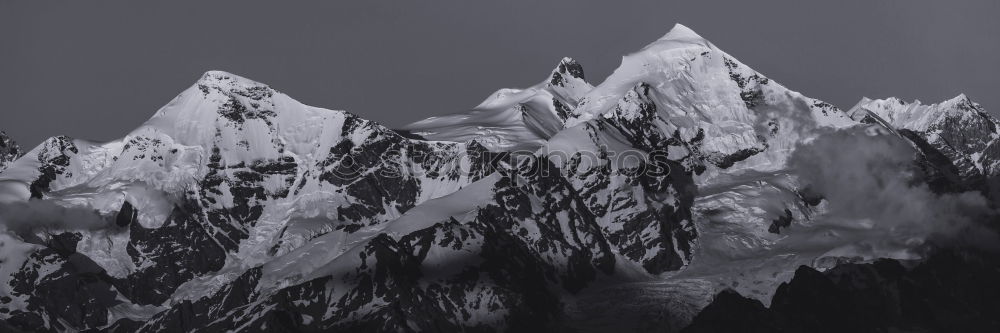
{"points": [[171, 254], [63, 289], [66, 290], [954, 290], [9, 150]]}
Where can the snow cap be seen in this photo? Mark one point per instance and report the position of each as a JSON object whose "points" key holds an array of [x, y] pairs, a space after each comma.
{"points": [[680, 32]]}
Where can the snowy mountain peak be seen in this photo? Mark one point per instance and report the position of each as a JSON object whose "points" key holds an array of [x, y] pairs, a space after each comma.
{"points": [[567, 82], [963, 103], [228, 107], [960, 97], [217, 78], [679, 58], [567, 66], [681, 32], [726, 110], [217, 87]]}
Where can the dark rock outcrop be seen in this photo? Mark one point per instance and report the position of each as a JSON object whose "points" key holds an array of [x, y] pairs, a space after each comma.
{"points": [[9, 151]]}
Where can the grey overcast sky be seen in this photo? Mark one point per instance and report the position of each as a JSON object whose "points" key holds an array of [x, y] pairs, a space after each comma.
{"points": [[95, 70]]}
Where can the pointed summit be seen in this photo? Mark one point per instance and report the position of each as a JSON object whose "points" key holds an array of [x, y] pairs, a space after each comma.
{"points": [[681, 32], [567, 81], [226, 80], [222, 101], [962, 102], [217, 75], [567, 66]]}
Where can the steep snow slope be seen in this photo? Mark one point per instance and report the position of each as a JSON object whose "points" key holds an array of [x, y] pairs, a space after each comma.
{"points": [[513, 119], [708, 103]]}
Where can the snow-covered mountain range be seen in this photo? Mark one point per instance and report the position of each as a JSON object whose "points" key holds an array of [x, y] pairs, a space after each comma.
{"points": [[235, 207]]}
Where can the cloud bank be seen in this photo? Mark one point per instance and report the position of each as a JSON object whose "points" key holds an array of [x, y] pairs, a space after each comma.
{"points": [[29, 216], [872, 184]]}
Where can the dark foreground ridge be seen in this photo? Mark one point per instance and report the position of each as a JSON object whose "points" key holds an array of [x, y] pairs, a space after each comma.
{"points": [[954, 290]]}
